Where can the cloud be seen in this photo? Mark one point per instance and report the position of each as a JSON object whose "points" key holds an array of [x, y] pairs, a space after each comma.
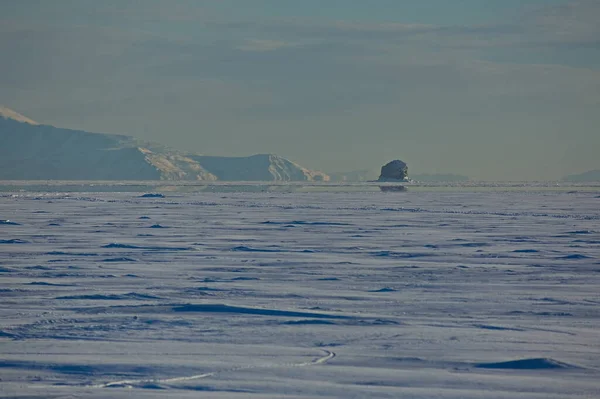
{"points": [[570, 23], [324, 65]]}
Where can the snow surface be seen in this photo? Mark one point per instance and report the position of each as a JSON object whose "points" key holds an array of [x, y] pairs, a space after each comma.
{"points": [[447, 294]]}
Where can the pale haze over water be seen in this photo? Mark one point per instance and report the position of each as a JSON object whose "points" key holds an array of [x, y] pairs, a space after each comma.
{"points": [[495, 90]]}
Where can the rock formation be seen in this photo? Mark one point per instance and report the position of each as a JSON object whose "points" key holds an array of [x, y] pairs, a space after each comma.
{"points": [[394, 171]]}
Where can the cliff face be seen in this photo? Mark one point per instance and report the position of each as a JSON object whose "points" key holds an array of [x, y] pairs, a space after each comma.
{"points": [[29, 151]]}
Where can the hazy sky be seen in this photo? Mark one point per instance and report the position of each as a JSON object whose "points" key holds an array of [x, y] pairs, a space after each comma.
{"points": [[494, 89]]}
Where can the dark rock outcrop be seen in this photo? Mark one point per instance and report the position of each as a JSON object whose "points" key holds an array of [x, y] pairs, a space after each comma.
{"points": [[394, 171]]}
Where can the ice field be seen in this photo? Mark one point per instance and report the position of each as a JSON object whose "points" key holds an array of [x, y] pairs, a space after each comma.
{"points": [[422, 294]]}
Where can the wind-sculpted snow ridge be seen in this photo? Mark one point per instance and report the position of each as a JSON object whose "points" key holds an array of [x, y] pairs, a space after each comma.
{"points": [[494, 213], [527, 364], [146, 248], [244, 248], [110, 297], [218, 308], [14, 241], [304, 222], [121, 259], [464, 295]]}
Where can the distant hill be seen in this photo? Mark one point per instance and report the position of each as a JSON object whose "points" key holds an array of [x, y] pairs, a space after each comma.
{"points": [[439, 177], [589, 176], [30, 151]]}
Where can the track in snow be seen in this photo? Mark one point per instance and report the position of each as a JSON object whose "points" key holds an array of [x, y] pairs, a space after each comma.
{"points": [[141, 383]]}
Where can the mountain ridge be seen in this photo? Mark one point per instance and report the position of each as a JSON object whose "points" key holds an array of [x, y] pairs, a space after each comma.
{"points": [[33, 151], [589, 176]]}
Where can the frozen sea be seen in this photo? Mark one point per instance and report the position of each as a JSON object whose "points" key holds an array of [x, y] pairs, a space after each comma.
{"points": [[457, 293]]}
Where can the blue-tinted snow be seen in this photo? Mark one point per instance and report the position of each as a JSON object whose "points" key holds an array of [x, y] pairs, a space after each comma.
{"points": [[446, 294]]}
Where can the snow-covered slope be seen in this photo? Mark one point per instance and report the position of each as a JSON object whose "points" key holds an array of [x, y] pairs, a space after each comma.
{"points": [[30, 151], [8, 113], [261, 167]]}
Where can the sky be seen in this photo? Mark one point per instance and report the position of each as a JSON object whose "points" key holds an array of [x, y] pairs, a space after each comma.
{"points": [[494, 89]]}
